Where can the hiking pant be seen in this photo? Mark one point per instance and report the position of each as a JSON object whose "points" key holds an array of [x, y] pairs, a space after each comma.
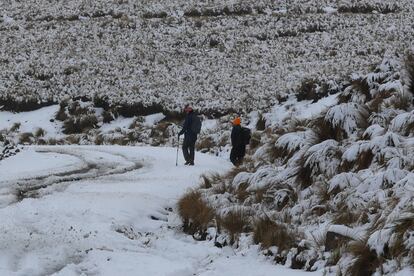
{"points": [[188, 149], [237, 154]]}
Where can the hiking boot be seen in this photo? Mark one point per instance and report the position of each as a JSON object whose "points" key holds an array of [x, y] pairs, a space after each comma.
{"points": [[191, 164], [187, 163]]}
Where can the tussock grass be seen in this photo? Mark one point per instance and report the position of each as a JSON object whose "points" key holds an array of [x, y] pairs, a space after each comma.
{"points": [[26, 138], [268, 233], [409, 67], [235, 222], [40, 132], [15, 127], [107, 117], [195, 213], [365, 260]]}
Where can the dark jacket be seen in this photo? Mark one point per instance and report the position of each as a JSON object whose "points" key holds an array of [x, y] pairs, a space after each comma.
{"points": [[236, 136], [186, 130]]}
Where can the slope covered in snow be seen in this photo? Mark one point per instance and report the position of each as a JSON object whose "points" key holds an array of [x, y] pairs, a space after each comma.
{"points": [[219, 55], [75, 210]]}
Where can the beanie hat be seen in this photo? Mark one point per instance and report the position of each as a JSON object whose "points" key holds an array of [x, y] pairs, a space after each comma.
{"points": [[188, 107], [236, 121]]}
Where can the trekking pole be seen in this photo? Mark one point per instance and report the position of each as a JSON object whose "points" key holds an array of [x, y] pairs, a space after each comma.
{"points": [[178, 146]]}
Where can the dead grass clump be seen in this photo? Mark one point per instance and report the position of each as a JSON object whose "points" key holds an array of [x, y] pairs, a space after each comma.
{"points": [[323, 130], [80, 124], [397, 248], [40, 132], [304, 175], [107, 117], [409, 67], [73, 139], [361, 85], [205, 144], [195, 213], [26, 138], [365, 262], [235, 222], [61, 115], [261, 123], [363, 162], [15, 127], [207, 181], [344, 215], [255, 140], [241, 193], [268, 233], [312, 89]]}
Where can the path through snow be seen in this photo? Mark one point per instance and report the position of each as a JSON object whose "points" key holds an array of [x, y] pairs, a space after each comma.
{"points": [[108, 211]]}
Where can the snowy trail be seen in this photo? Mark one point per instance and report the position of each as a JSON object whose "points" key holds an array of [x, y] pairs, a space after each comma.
{"points": [[107, 211]]}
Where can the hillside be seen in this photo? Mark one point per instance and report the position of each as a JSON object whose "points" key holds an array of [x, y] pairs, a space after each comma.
{"points": [[222, 56]]}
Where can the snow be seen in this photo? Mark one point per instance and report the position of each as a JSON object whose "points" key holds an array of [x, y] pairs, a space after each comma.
{"points": [[113, 219], [31, 121], [153, 119]]}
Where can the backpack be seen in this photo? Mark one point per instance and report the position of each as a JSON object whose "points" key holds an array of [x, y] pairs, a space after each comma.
{"points": [[196, 124], [246, 135]]}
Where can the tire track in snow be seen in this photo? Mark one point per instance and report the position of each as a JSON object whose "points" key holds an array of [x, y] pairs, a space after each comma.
{"points": [[89, 169]]}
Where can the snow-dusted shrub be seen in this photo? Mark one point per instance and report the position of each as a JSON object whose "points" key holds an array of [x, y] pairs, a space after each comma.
{"points": [[26, 138], [268, 233], [311, 89], [289, 143], [358, 156], [347, 118], [403, 123], [322, 159]]}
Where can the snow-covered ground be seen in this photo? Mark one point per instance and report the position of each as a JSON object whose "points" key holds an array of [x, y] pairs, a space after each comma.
{"points": [[73, 210]]}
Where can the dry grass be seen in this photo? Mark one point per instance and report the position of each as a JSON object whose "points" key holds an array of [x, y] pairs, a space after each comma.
{"points": [[26, 138], [40, 132], [311, 89], [241, 193], [398, 249], [205, 144], [81, 124], [61, 114], [73, 139], [15, 127], [363, 162], [195, 213], [409, 67], [269, 233], [107, 117], [255, 140], [235, 222], [365, 260], [207, 181], [261, 123], [323, 130]]}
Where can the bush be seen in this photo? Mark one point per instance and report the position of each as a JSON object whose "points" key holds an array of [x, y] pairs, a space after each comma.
{"points": [[312, 89], [40, 132], [365, 261], [268, 233], [235, 222], [81, 124], [26, 137], [107, 117], [15, 127], [195, 213]]}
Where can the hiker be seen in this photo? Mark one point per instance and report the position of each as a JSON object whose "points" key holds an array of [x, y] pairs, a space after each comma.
{"points": [[240, 137], [191, 127]]}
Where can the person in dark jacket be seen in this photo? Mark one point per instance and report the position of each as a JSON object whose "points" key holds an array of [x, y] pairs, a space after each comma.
{"points": [[189, 136], [239, 148]]}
